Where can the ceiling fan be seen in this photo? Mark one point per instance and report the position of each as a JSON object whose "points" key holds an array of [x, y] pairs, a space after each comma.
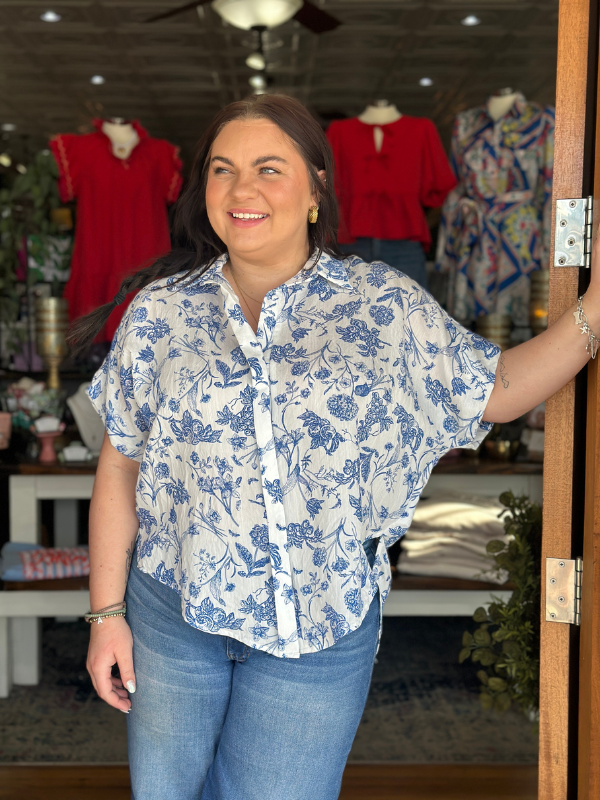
{"points": [[248, 14]]}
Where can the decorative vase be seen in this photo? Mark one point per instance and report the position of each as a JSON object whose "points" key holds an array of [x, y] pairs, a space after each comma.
{"points": [[47, 452], [52, 324], [5, 429], [538, 304]]}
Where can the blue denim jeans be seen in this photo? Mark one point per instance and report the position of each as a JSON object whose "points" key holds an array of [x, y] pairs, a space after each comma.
{"points": [[214, 719], [401, 254]]}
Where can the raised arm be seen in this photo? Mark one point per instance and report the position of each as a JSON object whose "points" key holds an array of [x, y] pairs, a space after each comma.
{"points": [[535, 370], [113, 529]]}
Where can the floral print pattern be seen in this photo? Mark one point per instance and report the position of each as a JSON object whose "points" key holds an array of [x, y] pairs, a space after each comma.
{"points": [[267, 460]]}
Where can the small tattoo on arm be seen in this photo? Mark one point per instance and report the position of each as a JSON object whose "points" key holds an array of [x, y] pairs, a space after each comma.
{"points": [[129, 553], [502, 371]]}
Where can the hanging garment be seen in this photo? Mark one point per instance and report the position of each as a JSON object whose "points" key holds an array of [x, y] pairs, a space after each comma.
{"points": [[495, 227], [382, 194], [122, 219]]}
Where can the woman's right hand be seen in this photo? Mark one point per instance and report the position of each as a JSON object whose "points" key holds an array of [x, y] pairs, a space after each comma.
{"points": [[112, 643]]}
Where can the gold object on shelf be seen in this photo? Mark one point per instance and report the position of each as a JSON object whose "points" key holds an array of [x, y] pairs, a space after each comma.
{"points": [[51, 325], [495, 328], [538, 304]]}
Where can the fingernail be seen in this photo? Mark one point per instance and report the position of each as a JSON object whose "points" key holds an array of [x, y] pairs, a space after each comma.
{"points": [[130, 687], [124, 711]]}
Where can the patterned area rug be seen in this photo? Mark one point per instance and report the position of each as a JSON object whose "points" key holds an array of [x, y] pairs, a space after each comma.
{"points": [[423, 706]]}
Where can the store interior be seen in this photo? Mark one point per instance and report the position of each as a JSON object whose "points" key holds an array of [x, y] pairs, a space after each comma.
{"points": [[101, 106]]}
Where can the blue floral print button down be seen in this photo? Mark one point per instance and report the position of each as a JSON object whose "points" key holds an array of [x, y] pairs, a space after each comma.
{"points": [[268, 459]]}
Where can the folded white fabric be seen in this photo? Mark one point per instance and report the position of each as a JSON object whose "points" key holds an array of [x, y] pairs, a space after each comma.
{"points": [[449, 535]]}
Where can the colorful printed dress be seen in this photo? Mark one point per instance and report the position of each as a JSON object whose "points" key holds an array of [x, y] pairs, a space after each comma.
{"points": [[495, 227], [122, 218], [267, 460]]}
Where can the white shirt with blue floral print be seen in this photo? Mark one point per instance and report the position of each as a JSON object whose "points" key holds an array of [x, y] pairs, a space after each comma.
{"points": [[268, 459]]}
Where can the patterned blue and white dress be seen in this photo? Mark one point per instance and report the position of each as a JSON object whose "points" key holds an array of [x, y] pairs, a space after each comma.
{"points": [[268, 460]]}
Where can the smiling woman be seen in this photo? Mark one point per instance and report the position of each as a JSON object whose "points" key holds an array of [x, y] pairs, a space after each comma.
{"points": [[273, 412]]}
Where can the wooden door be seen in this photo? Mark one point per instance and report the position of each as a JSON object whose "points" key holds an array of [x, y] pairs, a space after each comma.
{"points": [[569, 704]]}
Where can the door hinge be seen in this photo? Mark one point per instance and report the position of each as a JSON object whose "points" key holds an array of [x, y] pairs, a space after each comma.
{"points": [[573, 232], [563, 590]]}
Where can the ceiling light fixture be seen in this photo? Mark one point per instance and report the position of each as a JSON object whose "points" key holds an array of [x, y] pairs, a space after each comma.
{"points": [[470, 21], [21, 168], [257, 82], [248, 14], [97, 80], [426, 82], [256, 61], [8, 127], [50, 16]]}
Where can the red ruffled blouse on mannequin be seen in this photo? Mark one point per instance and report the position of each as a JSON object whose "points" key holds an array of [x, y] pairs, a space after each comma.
{"points": [[122, 221], [382, 194]]}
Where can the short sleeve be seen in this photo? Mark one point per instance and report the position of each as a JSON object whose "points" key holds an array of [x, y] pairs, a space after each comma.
{"points": [[447, 375], [171, 172], [437, 178], [121, 389], [66, 149]]}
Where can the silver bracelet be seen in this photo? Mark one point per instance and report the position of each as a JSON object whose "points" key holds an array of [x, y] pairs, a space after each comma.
{"points": [[101, 615], [581, 320]]}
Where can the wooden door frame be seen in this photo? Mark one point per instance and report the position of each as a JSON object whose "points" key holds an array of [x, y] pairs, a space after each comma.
{"points": [[564, 451]]}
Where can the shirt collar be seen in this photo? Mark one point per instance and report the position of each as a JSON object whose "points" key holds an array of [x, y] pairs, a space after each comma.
{"points": [[332, 269]]}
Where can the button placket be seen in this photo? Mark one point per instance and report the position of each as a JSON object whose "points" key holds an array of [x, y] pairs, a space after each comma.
{"points": [[252, 347]]}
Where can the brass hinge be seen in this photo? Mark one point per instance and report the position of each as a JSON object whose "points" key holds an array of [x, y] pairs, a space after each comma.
{"points": [[573, 232], [563, 590]]}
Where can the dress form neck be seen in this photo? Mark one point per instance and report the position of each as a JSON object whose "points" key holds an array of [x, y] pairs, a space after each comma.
{"points": [[123, 137], [499, 105], [378, 115]]}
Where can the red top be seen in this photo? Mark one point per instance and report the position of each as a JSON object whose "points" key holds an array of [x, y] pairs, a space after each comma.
{"points": [[121, 213], [381, 195]]}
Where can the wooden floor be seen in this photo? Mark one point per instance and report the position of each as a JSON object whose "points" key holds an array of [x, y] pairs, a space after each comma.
{"points": [[361, 782]]}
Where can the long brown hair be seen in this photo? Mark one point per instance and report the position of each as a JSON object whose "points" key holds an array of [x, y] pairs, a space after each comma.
{"points": [[195, 244]]}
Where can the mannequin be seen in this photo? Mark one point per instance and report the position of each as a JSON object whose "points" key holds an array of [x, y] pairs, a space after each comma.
{"points": [[501, 102], [379, 112], [122, 135], [383, 189]]}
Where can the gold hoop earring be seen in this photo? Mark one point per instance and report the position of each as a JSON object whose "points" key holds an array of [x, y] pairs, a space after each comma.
{"points": [[313, 214]]}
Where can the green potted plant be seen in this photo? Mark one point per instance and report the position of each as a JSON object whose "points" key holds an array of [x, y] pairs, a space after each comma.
{"points": [[506, 644]]}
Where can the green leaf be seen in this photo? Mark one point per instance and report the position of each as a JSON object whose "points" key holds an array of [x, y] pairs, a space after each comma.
{"points": [[480, 615], [502, 703], [495, 546], [482, 637], [486, 700], [467, 639], [464, 654], [497, 684], [487, 657], [483, 676]]}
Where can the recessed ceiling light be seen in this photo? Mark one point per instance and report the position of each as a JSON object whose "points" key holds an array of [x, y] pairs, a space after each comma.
{"points": [[255, 61], [5, 160], [51, 16], [470, 20], [9, 126], [97, 80], [426, 82], [257, 82]]}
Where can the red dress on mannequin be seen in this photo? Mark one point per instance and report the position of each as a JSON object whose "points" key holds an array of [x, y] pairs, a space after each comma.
{"points": [[122, 219]]}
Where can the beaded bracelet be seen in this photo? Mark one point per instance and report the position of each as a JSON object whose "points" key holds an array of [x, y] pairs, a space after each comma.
{"points": [[581, 320], [102, 615]]}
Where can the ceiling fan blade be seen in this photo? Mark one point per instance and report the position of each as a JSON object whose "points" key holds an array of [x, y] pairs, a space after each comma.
{"points": [[315, 19], [178, 10]]}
